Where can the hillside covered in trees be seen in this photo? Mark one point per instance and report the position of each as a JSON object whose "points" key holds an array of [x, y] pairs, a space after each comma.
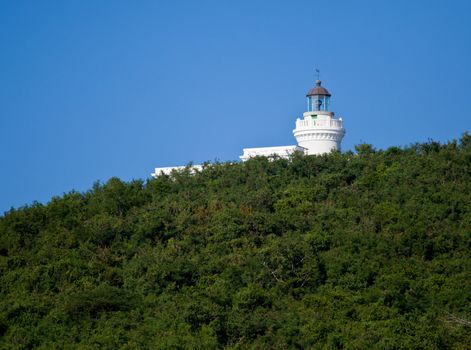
{"points": [[348, 250]]}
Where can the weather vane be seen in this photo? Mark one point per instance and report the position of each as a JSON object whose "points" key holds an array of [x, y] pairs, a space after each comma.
{"points": [[318, 74]]}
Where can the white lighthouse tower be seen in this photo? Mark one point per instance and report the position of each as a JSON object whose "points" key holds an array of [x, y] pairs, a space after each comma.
{"points": [[319, 131]]}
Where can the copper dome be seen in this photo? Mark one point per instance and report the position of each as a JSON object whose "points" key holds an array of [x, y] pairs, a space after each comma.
{"points": [[318, 90]]}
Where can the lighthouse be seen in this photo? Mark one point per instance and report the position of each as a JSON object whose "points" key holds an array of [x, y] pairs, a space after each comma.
{"points": [[319, 132]]}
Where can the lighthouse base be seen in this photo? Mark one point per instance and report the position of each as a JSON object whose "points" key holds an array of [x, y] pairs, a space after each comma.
{"points": [[319, 133]]}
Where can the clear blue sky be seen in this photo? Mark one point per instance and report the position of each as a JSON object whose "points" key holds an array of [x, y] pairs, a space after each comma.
{"points": [[95, 89]]}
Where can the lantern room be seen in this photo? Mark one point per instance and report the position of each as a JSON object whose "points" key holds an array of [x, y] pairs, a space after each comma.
{"points": [[318, 98]]}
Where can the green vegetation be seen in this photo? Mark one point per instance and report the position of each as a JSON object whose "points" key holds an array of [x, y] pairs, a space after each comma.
{"points": [[354, 251]]}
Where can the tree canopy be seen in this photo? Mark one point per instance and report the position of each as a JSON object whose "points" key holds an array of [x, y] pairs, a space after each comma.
{"points": [[347, 250]]}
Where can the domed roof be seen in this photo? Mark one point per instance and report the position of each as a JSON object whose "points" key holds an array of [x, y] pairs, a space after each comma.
{"points": [[318, 90]]}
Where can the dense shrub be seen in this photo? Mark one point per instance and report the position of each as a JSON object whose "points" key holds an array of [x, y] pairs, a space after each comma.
{"points": [[353, 250]]}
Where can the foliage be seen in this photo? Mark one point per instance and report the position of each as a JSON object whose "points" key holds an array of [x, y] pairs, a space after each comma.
{"points": [[364, 250]]}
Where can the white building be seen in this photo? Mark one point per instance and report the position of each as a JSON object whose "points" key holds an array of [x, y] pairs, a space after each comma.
{"points": [[280, 151], [168, 169], [318, 132]]}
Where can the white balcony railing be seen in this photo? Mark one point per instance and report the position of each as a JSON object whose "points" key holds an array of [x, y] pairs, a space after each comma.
{"points": [[313, 123]]}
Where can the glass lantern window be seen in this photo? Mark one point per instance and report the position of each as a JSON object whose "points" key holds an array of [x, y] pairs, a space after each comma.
{"points": [[318, 103]]}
